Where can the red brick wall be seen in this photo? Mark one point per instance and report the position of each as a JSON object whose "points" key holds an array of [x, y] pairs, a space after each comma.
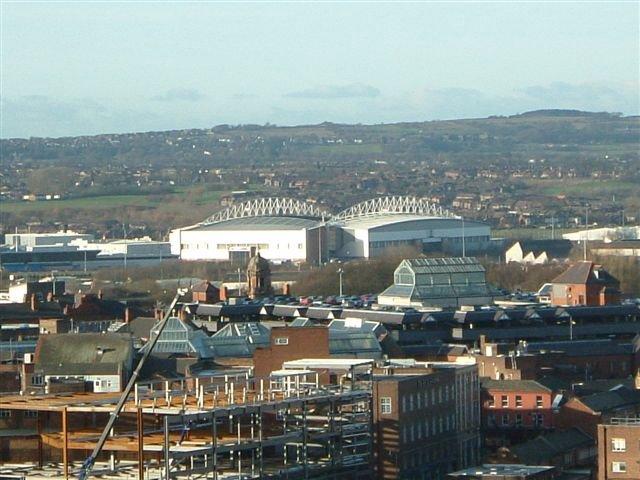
{"points": [[527, 409], [306, 342]]}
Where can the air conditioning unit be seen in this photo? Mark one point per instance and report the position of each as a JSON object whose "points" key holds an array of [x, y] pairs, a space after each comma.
{"points": [[281, 341], [29, 358]]}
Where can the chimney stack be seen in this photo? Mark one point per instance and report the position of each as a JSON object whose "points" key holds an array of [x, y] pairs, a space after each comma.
{"points": [[50, 297], [128, 315], [286, 289], [100, 294], [34, 302], [224, 294]]}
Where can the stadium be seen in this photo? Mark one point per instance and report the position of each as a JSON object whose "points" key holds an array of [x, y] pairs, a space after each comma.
{"points": [[285, 229]]}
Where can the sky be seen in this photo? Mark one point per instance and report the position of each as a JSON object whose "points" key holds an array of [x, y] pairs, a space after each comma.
{"points": [[82, 68]]}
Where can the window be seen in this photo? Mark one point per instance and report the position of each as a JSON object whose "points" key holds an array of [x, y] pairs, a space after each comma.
{"points": [[418, 401], [619, 467], [411, 402], [505, 419], [404, 404], [385, 405], [30, 414], [518, 420], [5, 413], [618, 445], [538, 401], [37, 380], [492, 401], [518, 401], [538, 419], [505, 401]]}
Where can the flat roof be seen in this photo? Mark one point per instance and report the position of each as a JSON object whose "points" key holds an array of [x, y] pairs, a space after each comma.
{"points": [[258, 223], [346, 363], [380, 220]]}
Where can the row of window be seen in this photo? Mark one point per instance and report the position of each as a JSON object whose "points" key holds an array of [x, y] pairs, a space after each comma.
{"points": [[504, 401], [25, 413], [435, 426], [505, 420], [419, 400]]}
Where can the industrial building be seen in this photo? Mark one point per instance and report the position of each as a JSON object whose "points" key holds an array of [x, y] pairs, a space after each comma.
{"points": [[291, 230]]}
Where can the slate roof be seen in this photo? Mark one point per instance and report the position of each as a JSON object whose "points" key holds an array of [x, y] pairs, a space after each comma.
{"points": [[583, 272], [612, 400], [582, 347], [553, 248], [79, 353], [543, 449], [514, 385]]}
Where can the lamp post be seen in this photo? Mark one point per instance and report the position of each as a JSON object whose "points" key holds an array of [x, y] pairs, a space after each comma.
{"points": [[340, 272]]}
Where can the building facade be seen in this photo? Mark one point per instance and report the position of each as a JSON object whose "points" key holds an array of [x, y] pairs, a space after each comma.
{"points": [[619, 449]]}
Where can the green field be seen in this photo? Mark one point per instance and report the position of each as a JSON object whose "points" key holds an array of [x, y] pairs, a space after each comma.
{"points": [[588, 187], [85, 203]]}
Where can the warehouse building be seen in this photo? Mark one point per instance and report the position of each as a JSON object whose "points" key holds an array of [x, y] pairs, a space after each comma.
{"points": [[291, 230]]}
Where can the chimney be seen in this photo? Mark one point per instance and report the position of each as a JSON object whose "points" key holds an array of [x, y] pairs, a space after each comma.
{"points": [[483, 343], [286, 289], [224, 294], [128, 315], [50, 297], [100, 294], [34, 302], [158, 314], [182, 314]]}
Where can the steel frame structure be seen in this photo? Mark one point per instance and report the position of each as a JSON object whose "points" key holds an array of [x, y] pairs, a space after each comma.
{"points": [[218, 428], [394, 205], [268, 207]]}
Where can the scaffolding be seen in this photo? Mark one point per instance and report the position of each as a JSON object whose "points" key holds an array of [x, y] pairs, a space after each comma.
{"points": [[216, 427]]}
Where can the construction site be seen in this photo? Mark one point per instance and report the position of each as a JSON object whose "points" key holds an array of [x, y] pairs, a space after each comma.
{"points": [[216, 426]]}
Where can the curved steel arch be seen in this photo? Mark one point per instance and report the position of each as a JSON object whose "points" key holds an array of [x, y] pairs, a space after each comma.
{"points": [[268, 207], [394, 205]]}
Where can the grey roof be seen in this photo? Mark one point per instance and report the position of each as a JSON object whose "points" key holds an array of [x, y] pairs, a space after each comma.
{"points": [[354, 344], [583, 272], [513, 385], [444, 265], [544, 448], [83, 353], [255, 333], [612, 400], [588, 347], [259, 223], [224, 310], [554, 248]]}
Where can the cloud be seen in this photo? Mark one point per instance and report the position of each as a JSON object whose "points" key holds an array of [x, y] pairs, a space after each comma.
{"points": [[327, 92], [180, 95], [585, 96], [40, 115]]}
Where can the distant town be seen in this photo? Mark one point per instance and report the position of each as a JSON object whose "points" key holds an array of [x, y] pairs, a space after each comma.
{"points": [[345, 302]]}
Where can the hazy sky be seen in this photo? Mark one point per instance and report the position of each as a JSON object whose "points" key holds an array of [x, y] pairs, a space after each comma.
{"points": [[99, 67]]}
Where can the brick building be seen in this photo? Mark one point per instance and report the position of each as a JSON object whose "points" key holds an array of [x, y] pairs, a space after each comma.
{"points": [[291, 343], [591, 410], [585, 283], [514, 410], [619, 449], [426, 421], [414, 424]]}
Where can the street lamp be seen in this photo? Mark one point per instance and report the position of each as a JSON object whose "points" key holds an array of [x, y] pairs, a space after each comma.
{"points": [[340, 272]]}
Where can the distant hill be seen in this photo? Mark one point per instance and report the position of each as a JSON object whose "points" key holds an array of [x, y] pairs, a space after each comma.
{"points": [[565, 113], [545, 133]]}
